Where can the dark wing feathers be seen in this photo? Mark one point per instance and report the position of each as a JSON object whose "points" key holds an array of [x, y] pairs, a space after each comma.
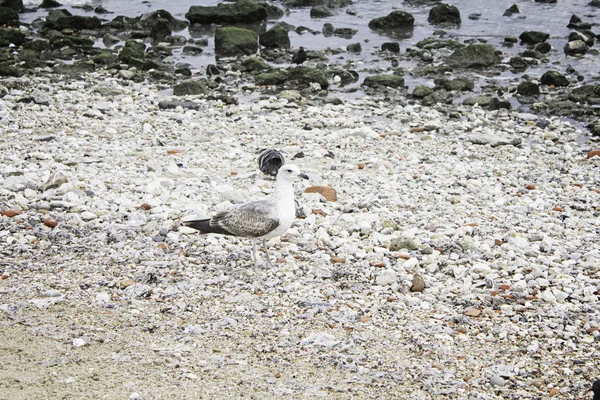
{"points": [[240, 222]]}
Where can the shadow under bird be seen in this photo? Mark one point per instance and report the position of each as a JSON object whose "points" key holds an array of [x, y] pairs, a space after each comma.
{"points": [[258, 220], [300, 56], [270, 161]]}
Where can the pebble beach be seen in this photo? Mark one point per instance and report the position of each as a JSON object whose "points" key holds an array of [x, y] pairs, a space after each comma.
{"points": [[441, 250]]}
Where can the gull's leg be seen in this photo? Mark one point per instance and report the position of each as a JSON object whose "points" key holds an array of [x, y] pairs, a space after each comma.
{"points": [[264, 242], [254, 253]]}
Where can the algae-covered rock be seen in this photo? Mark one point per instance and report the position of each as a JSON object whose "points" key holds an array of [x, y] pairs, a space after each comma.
{"points": [[191, 87], [307, 75], [554, 78], [460, 84], [275, 38], [275, 77], [254, 64], [474, 56], [243, 11], [132, 49], [394, 81], [232, 41], [8, 17], [528, 88], [394, 20], [444, 14], [421, 91]]}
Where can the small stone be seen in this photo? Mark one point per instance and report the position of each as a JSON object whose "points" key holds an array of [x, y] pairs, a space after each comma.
{"points": [[277, 374], [418, 284], [593, 153], [504, 286], [145, 206], [10, 213], [497, 380], [78, 342], [530, 187], [386, 277], [162, 246], [554, 391], [473, 312], [4, 275], [361, 165], [328, 192], [50, 223], [52, 293], [126, 283], [338, 260], [557, 208], [398, 244], [88, 216]]}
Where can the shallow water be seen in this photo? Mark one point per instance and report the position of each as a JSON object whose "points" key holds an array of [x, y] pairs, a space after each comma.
{"points": [[491, 26]]}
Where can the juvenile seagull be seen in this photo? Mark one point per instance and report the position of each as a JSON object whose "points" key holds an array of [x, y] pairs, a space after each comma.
{"points": [[300, 56], [258, 220]]}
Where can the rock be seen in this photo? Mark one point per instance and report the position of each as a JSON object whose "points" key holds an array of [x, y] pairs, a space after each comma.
{"points": [[543, 48], [16, 5], [398, 244], [88, 216], [125, 283], [444, 14], [231, 41], [50, 223], [242, 11], [10, 213], [460, 84], [306, 75], [594, 3], [394, 81], [394, 20], [576, 47], [554, 78], [78, 22], [327, 30], [494, 140], [346, 33], [52, 293], [160, 29], [254, 64], [497, 104], [497, 380], [441, 96], [418, 284], [392, 47], [320, 12], [594, 128], [576, 23], [192, 50], [132, 50], [386, 277], [275, 77], [587, 37], [482, 99], [327, 192], [528, 88], [593, 153], [514, 9], [474, 56], [50, 4], [275, 38], [11, 36], [533, 37], [191, 87], [421, 91], [354, 47], [8, 17]]}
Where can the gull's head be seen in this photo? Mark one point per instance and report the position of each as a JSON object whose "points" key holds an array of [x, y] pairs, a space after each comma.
{"points": [[289, 172]]}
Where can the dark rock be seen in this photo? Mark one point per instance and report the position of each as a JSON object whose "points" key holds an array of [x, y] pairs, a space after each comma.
{"points": [[162, 18], [231, 41], [58, 42], [275, 77], [394, 20], [191, 87], [8, 17], [438, 96], [354, 47], [132, 49], [586, 37], [37, 45], [212, 70], [532, 53], [421, 91], [474, 56], [54, 15], [273, 12], [514, 9], [101, 10], [110, 39], [594, 128], [576, 23], [8, 69], [586, 94], [438, 43], [78, 68], [475, 16], [306, 75], [497, 104], [160, 29], [345, 33], [320, 12], [328, 29], [543, 48], [392, 47], [594, 3], [254, 64], [554, 78], [528, 88], [518, 64], [50, 4], [284, 25], [275, 38], [16, 5], [576, 47], [192, 50], [243, 11], [394, 81], [444, 14], [533, 37], [105, 58], [346, 77], [546, 1], [459, 84], [79, 22], [11, 36]]}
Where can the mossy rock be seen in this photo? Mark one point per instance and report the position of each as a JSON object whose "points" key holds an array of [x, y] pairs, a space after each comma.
{"points": [[482, 99], [254, 64], [474, 56], [438, 43], [398, 244], [394, 81], [586, 94], [346, 77], [459, 84], [132, 49], [392, 47], [320, 12], [307, 75], [79, 22], [444, 14], [8, 17], [441, 96], [394, 20], [191, 87], [421, 91], [554, 78], [11, 36], [8, 69], [16, 5], [59, 42], [105, 58], [275, 77], [243, 11], [37, 45], [275, 38], [231, 41], [76, 69], [528, 88]]}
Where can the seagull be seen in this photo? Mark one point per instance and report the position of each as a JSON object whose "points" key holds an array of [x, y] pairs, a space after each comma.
{"points": [[258, 220], [300, 56], [270, 161]]}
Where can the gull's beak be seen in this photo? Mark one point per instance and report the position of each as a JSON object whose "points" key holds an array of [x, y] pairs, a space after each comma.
{"points": [[303, 176]]}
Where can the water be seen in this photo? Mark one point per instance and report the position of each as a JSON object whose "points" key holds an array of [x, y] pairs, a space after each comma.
{"points": [[492, 26]]}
